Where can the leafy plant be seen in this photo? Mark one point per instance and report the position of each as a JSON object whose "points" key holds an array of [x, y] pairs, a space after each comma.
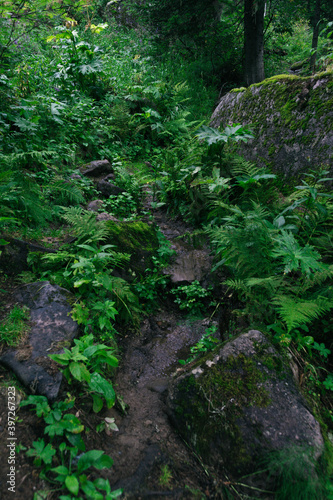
{"points": [[67, 448], [86, 363], [289, 470], [85, 227], [206, 343], [79, 62], [189, 297], [165, 476], [217, 139]]}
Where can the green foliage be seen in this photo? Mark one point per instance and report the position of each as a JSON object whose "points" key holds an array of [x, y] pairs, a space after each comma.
{"points": [[86, 363], [165, 476], [206, 344], [235, 133], [79, 62], [66, 447], [295, 312], [85, 227], [15, 325], [122, 205], [190, 297], [296, 475], [151, 285], [98, 91], [295, 257]]}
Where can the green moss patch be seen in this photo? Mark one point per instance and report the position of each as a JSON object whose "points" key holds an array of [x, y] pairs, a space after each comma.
{"points": [[208, 407], [292, 118], [136, 238]]}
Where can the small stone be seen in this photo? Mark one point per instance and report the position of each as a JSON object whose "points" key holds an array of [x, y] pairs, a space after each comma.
{"points": [[95, 205]]}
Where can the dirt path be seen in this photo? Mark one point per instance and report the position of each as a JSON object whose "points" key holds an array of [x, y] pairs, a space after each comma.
{"points": [[146, 440]]}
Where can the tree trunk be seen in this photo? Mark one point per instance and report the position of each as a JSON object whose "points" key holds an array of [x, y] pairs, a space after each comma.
{"points": [[254, 11], [218, 7], [315, 36]]}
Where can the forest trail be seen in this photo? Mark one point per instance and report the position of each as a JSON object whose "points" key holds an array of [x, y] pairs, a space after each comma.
{"points": [[146, 441]]}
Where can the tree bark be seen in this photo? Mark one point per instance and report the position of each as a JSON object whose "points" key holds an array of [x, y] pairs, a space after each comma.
{"points": [[254, 11], [315, 36]]}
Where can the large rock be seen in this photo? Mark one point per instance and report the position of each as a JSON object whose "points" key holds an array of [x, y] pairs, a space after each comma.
{"points": [[292, 119], [106, 188], [52, 329], [238, 405], [189, 265], [96, 168]]}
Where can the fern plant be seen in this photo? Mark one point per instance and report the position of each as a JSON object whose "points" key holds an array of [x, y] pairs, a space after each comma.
{"points": [[63, 192], [244, 242], [85, 227], [22, 198]]}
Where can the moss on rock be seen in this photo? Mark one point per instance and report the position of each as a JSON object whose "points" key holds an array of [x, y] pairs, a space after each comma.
{"points": [[134, 237], [240, 403], [292, 118]]}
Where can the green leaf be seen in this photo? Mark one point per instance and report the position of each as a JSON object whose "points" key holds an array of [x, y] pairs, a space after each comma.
{"points": [[98, 403], [89, 459], [294, 256], [42, 452], [80, 282], [328, 383], [79, 371], [61, 470], [294, 312], [102, 386], [72, 484], [63, 358], [76, 440], [211, 135], [107, 357], [89, 489]]}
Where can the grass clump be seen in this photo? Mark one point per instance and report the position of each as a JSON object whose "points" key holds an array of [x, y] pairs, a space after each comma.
{"points": [[14, 326]]}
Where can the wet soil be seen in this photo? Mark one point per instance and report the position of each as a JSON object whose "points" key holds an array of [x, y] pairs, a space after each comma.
{"points": [[146, 441]]}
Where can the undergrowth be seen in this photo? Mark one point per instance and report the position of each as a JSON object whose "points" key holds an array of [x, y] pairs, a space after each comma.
{"points": [[75, 88]]}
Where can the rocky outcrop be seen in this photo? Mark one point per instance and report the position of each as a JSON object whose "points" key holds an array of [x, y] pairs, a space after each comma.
{"points": [[240, 404], [292, 119], [189, 265], [52, 329]]}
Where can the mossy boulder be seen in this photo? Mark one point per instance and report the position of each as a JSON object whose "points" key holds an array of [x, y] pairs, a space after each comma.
{"points": [[240, 404], [135, 238], [292, 119]]}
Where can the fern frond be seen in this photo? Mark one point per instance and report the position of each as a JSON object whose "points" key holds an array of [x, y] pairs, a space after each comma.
{"points": [[269, 284], [295, 312], [241, 167], [14, 159], [294, 256], [65, 193], [318, 278], [86, 228]]}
